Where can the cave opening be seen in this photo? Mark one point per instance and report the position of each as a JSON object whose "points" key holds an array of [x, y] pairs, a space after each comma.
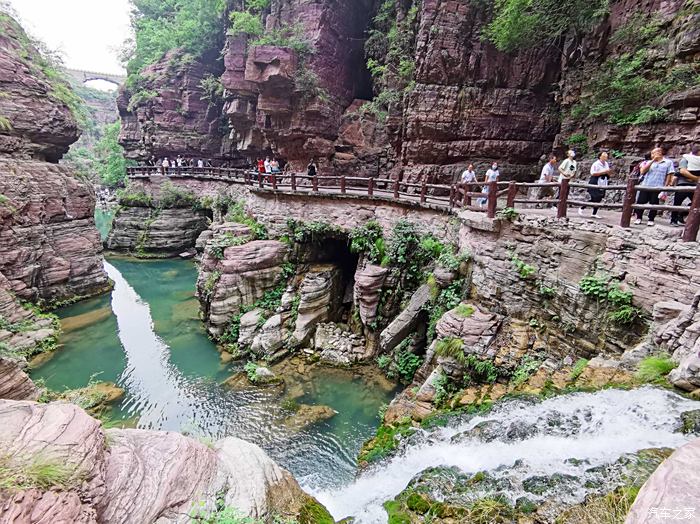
{"points": [[333, 249]]}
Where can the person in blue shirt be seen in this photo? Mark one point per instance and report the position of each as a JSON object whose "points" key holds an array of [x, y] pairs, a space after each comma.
{"points": [[657, 172]]}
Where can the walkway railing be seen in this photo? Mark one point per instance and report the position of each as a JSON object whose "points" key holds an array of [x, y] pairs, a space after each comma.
{"points": [[447, 197]]}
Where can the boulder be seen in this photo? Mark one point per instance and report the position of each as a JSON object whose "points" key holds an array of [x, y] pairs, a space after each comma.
{"points": [[320, 299], [369, 280], [337, 346], [672, 487], [306, 415], [132, 475], [406, 321]]}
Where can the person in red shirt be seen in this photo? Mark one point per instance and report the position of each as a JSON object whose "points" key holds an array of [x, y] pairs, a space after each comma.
{"points": [[261, 168]]}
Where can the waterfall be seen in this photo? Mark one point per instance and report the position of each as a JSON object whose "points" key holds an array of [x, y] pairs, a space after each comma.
{"points": [[537, 438]]}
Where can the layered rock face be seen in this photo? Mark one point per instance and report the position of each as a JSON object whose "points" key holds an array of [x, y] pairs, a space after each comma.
{"points": [[50, 248], [675, 43], [173, 116], [147, 231], [39, 123], [270, 104], [472, 103], [132, 475]]}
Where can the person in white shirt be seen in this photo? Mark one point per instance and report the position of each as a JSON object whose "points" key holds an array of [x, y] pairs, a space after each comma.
{"points": [[165, 163], [200, 163], [600, 170], [268, 165], [567, 169], [492, 175], [546, 177], [468, 175]]}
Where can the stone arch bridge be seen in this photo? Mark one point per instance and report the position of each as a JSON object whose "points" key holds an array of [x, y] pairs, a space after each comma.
{"points": [[82, 76]]}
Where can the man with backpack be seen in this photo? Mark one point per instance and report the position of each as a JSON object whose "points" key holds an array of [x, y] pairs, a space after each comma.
{"points": [[688, 176]]}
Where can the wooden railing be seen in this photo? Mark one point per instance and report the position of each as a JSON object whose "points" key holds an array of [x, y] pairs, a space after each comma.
{"points": [[447, 197]]}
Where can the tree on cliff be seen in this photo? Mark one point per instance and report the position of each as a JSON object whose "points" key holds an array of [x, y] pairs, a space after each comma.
{"points": [[522, 24], [194, 26], [111, 164]]}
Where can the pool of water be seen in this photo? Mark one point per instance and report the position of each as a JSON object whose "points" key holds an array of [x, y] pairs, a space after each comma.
{"points": [[147, 338]]}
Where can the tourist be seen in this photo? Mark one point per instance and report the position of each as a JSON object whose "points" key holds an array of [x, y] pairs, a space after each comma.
{"points": [[600, 171], [656, 173], [547, 174], [311, 169], [200, 163], [492, 175], [268, 167], [468, 175], [688, 176], [274, 166], [165, 164], [178, 161], [567, 169], [261, 166]]}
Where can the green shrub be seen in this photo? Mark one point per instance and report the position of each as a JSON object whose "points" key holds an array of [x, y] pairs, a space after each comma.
{"points": [[450, 260], [578, 368], [432, 247], [655, 368], [579, 143], [517, 24], [528, 365], [509, 214], [594, 287], [172, 196], [212, 89], [524, 270], [130, 198], [407, 364], [243, 22], [251, 370], [5, 124], [465, 310], [293, 37], [140, 98]]}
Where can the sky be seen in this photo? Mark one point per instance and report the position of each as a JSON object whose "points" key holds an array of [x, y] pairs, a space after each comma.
{"points": [[89, 33]]}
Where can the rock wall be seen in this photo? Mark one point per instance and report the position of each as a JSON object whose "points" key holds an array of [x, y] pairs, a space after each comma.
{"points": [[134, 475], [173, 116], [36, 122], [151, 231], [49, 246]]}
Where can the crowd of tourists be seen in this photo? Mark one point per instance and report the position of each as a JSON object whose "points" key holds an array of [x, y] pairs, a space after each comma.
{"points": [[655, 171], [179, 161]]}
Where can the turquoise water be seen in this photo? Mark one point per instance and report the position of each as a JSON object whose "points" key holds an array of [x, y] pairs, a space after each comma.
{"points": [[147, 338]]}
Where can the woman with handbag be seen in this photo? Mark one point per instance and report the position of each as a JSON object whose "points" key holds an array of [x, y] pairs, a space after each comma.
{"points": [[600, 170]]}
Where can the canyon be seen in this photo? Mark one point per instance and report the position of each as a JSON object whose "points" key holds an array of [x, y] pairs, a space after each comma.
{"points": [[514, 353]]}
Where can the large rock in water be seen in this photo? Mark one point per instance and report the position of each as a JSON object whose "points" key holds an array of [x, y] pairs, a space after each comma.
{"points": [[320, 296], [672, 487], [241, 277], [131, 476], [146, 230]]}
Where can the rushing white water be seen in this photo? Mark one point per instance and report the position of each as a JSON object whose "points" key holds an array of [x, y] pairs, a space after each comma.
{"points": [[594, 427]]}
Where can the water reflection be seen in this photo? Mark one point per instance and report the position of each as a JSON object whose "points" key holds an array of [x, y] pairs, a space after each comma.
{"points": [[153, 345]]}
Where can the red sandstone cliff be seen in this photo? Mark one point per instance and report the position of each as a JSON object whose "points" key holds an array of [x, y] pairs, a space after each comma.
{"points": [[467, 102], [50, 249]]}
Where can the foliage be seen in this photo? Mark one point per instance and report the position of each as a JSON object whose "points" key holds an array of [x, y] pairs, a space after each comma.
{"points": [[172, 196], [465, 310], [310, 232], [578, 368], [192, 26], [306, 83], [528, 365], [604, 290], [5, 124], [627, 87], [107, 157], [546, 291], [292, 37], [247, 23], [611, 508], [524, 270], [450, 260], [38, 472], [448, 298], [223, 514], [212, 89], [251, 370], [210, 282], [368, 240], [509, 214], [594, 286], [653, 369], [139, 98], [523, 24], [236, 213], [389, 50], [489, 511], [579, 143], [129, 198], [385, 441]]}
